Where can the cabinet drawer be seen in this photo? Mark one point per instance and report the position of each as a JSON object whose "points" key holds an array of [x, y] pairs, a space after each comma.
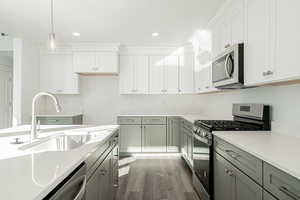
{"points": [[55, 120], [154, 120], [247, 163], [188, 126], [129, 120], [280, 184]]}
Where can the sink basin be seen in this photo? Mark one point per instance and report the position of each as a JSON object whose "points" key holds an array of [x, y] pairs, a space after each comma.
{"points": [[60, 143]]}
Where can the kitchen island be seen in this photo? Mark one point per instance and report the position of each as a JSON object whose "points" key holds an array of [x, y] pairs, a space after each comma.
{"points": [[30, 173]]}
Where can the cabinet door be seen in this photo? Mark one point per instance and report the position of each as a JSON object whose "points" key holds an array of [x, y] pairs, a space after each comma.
{"points": [[141, 74], [156, 74], [231, 183], [288, 42], [173, 135], [126, 75], [190, 148], [267, 196], [130, 138], [154, 138], [223, 183], [85, 62], [105, 182], [258, 66], [56, 74], [92, 187], [106, 63], [171, 74], [186, 73], [216, 38], [236, 17]]}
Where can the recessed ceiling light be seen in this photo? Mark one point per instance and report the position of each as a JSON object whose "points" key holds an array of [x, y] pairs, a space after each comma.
{"points": [[76, 34], [155, 34]]}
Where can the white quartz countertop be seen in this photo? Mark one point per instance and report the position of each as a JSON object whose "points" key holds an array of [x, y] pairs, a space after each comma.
{"points": [[60, 115], [279, 150], [31, 175]]}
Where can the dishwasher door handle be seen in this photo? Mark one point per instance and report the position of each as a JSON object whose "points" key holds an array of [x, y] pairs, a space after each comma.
{"points": [[81, 192]]}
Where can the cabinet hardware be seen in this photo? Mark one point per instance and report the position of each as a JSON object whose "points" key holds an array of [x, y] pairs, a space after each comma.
{"points": [[116, 185], [206, 87], [267, 73], [289, 193], [229, 172], [227, 46], [232, 154], [102, 172]]}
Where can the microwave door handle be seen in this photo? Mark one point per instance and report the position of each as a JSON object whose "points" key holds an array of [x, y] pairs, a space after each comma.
{"points": [[226, 65]]}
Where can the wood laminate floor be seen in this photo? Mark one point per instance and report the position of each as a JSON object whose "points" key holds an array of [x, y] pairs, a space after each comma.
{"points": [[165, 178]]}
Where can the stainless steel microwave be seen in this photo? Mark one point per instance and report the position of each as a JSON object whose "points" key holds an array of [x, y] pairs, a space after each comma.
{"points": [[228, 68]]}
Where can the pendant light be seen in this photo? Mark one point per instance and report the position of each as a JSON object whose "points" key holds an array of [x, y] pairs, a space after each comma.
{"points": [[51, 38]]}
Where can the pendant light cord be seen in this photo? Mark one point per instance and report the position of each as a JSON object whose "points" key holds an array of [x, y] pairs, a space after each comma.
{"points": [[52, 18]]}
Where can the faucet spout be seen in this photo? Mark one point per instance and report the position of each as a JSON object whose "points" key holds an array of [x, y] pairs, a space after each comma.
{"points": [[33, 132]]}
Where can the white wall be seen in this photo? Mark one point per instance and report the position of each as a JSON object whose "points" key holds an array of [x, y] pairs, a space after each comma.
{"points": [[101, 103], [26, 79]]}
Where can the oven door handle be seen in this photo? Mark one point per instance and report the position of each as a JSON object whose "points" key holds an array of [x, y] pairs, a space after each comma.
{"points": [[204, 140]]}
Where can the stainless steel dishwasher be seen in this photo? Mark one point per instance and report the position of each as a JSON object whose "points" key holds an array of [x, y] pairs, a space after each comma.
{"points": [[71, 188]]}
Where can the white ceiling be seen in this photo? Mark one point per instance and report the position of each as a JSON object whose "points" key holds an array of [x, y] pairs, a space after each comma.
{"points": [[112, 21]]}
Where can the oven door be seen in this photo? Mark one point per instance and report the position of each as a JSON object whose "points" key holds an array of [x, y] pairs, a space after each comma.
{"points": [[227, 69], [202, 158]]}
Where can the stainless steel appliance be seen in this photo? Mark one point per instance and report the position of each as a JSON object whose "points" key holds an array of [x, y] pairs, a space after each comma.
{"points": [[228, 68], [246, 117], [72, 188]]}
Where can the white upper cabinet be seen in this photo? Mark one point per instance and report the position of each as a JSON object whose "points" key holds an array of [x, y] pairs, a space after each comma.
{"points": [[133, 74], [186, 73], [259, 67], [56, 73], [96, 62], [163, 74], [228, 26], [287, 42], [156, 75], [171, 74]]}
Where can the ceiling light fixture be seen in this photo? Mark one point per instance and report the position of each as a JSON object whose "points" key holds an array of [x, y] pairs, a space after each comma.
{"points": [[76, 34], [155, 34], [51, 38]]}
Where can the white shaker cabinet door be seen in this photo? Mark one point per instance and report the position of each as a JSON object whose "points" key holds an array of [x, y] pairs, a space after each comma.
{"points": [[126, 75], [84, 62], [156, 75], [56, 74], [171, 78], [237, 21], [106, 63], [186, 74], [258, 66], [288, 41], [141, 74]]}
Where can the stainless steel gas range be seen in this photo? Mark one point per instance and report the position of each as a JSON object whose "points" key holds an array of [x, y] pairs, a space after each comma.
{"points": [[246, 117]]}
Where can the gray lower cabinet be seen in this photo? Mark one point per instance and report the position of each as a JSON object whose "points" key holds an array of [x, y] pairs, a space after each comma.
{"points": [[232, 184], [280, 184], [99, 186], [187, 142], [173, 134], [131, 138], [154, 138]]}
